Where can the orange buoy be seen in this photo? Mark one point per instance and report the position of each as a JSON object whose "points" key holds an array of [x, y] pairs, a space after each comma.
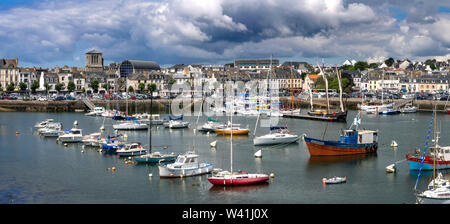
{"points": [[113, 169]]}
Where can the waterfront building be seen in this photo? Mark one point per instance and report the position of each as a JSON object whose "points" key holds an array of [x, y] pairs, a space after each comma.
{"points": [[255, 64], [51, 79], [310, 81], [79, 81], [300, 67], [27, 76], [433, 83], [155, 77], [9, 72], [128, 67], [94, 61]]}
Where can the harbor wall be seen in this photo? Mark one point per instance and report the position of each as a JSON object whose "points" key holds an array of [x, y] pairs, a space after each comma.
{"points": [[158, 105]]}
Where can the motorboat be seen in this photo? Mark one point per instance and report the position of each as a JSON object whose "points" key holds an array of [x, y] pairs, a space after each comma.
{"points": [[97, 111], [409, 109], [130, 125], [186, 165], [175, 124], [49, 127], [388, 111], [438, 192], [155, 118], [334, 180], [43, 123], [209, 126], [280, 136], [54, 131], [111, 144], [91, 138], [155, 157], [71, 136], [133, 149]]}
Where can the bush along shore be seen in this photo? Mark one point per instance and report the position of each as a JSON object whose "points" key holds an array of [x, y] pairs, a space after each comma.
{"points": [[159, 105]]}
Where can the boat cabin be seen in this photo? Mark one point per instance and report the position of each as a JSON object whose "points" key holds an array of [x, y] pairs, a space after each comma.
{"points": [[75, 131], [443, 153], [359, 137]]}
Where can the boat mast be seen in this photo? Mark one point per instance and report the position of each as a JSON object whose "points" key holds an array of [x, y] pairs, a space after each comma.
{"points": [[310, 95], [338, 74], [292, 89], [150, 128], [382, 88], [435, 150], [326, 86], [231, 133]]}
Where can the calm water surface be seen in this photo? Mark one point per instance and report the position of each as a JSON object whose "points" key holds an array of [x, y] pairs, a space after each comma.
{"points": [[34, 169]]}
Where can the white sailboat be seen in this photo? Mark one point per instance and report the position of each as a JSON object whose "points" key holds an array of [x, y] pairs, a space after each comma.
{"points": [[130, 125]]}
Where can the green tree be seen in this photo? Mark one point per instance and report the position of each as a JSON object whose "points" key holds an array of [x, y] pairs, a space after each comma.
{"points": [[10, 87], [373, 65], [172, 81], [141, 87], [71, 86], [94, 85], [151, 87], [361, 65], [130, 89], [58, 87], [348, 67], [389, 62], [34, 86], [83, 90], [23, 86]]}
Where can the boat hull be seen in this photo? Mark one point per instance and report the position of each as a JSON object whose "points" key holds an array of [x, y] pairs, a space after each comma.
{"points": [[74, 139], [166, 172], [319, 147], [428, 163], [235, 132], [155, 159], [241, 181], [132, 153], [258, 141]]}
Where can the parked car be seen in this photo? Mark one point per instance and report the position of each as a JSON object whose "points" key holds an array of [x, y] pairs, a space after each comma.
{"points": [[70, 98], [58, 98]]}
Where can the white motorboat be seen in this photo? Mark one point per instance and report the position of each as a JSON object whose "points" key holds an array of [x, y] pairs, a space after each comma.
{"points": [[133, 149], [334, 180], [409, 109], [178, 124], [130, 125], [73, 135], [280, 136], [440, 194], [97, 111], [51, 131], [186, 165], [50, 126], [210, 126], [43, 123], [91, 139], [155, 118]]}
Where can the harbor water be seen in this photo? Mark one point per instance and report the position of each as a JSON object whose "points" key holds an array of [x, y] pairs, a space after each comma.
{"points": [[38, 170]]}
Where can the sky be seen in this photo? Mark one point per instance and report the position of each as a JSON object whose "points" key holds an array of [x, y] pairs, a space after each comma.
{"points": [[49, 33]]}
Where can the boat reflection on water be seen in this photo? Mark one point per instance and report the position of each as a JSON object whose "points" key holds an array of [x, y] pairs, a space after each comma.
{"points": [[250, 187], [337, 159]]}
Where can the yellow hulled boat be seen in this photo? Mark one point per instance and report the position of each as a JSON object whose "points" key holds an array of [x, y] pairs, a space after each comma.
{"points": [[236, 131]]}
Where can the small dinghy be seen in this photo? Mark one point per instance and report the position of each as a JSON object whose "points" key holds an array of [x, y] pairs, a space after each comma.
{"points": [[258, 154], [390, 168], [213, 144], [334, 180], [394, 144]]}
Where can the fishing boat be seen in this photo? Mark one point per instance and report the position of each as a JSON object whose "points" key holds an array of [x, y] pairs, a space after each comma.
{"points": [[132, 149], [130, 125], [427, 161], [97, 111], [334, 180], [230, 178], [277, 135], [352, 141], [186, 165], [71, 136], [438, 191]]}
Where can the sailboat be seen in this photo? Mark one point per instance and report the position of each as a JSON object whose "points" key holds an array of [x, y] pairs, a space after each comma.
{"points": [[154, 157], [230, 178], [352, 141], [438, 191]]}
